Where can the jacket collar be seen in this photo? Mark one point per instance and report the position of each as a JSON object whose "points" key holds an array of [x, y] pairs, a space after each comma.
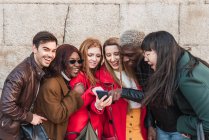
{"points": [[63, 85], [183, 60], [39, 71]]}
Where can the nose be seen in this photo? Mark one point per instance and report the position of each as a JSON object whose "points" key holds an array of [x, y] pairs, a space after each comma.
{"points": [[112, 58], [125, 58], [77, 64], [145, 59], [51, 54], [94, 58]]}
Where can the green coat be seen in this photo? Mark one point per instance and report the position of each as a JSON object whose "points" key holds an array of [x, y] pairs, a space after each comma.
{"points": [[193, 97], [54, 104]]}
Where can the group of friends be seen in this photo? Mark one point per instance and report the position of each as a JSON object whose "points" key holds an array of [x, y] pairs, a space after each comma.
{"points": [[156, 89]]}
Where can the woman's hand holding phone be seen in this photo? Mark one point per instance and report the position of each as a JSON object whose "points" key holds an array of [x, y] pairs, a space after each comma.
{"points": [[102, 98]]}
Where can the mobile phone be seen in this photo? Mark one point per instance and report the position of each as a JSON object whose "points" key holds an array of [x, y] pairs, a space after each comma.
{"points": [[102, 93]]}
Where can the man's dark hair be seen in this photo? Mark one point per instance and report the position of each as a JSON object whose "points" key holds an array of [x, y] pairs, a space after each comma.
{"points": [[43, 37]]}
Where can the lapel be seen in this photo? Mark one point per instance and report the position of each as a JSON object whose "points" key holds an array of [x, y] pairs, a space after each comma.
{"points": [[63, 85]]}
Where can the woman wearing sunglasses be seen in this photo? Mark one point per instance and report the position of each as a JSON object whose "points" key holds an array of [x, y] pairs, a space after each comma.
{"points": [[124, 119], [56, 101], [91, 51]]}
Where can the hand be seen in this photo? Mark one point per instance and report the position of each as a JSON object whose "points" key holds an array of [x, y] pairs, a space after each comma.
{"points": [[186, 136], [151, 133], [95, 89], [102, 103], [37, 119], [115, 93]]}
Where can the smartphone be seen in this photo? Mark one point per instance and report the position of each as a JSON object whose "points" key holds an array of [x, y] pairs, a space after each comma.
{"points": [[102, 93]]}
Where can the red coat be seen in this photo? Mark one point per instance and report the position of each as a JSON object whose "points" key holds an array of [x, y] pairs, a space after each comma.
{"points": [[79, 119], [119, 110]]}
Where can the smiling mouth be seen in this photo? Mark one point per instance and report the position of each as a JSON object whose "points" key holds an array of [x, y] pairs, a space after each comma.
{"points": [[93, 63], [115, 64], [47, 60]]}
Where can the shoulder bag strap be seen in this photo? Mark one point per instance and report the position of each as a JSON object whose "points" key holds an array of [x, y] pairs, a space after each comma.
{"points": [[113, 124]]}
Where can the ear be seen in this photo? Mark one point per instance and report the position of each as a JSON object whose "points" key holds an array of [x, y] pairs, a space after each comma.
{"points": [[34, 49]]}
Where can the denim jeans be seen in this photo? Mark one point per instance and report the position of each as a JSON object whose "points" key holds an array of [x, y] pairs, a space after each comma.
{"points": [[162, 135]]}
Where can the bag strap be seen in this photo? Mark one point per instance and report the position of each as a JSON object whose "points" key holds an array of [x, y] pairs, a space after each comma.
{"points": [[113, 124], [200, 132], [32, 105], [78, 133], [120, 70]]}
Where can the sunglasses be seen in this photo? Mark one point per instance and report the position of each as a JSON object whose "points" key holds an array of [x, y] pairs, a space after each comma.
{"points": [[74, 61]]}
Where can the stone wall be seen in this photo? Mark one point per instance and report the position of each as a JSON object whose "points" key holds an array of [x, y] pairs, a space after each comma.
{"points": [[72, 21]]}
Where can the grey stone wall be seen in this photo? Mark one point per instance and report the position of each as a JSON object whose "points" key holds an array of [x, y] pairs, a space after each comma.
{"points": [[72, 21]]}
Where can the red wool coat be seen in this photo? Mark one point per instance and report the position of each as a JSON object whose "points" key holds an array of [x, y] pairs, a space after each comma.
{"points": [[116, 113], [79, 119]]}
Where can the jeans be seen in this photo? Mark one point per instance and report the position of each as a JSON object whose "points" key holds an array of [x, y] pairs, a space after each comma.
{"points": [[163, 135]]}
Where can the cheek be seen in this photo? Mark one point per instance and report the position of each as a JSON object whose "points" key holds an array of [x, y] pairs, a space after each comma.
{"points": [[117, 57], [68, 70], [107, 58], [155, 59], [98, 59]]}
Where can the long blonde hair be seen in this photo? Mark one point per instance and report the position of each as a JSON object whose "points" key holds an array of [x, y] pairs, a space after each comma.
{"points": [[87, 44], [128, 71]]}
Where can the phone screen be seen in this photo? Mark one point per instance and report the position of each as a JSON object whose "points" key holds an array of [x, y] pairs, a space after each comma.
{"points": [[102, 93]]}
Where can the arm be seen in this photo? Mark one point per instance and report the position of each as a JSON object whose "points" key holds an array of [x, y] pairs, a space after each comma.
{"points": [[150, 124], [132, 94], [196, 93], [13, 86]]}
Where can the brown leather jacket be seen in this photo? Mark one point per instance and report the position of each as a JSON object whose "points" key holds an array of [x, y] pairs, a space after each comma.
{"points": [[19, 91]]}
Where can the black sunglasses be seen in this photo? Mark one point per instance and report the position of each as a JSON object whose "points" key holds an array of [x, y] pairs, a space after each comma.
{"points": [[74, 61]]}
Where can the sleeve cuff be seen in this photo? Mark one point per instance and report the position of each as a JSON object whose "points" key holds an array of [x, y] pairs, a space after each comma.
{"points": [[29, 117]]}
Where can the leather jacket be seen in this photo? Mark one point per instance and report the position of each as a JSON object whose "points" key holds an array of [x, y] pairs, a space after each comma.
{"points": [[132, 94], [19, 92]]}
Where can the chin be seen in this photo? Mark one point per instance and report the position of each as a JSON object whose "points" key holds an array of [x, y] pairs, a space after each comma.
{"points": [[74, 75], [116, 68], [130, 65]]}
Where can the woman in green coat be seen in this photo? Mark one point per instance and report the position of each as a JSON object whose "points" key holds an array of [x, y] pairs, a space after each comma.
{"points": [[179, 79]]}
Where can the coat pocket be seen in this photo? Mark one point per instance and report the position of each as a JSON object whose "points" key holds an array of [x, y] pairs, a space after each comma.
{"points": [[9, 126]]}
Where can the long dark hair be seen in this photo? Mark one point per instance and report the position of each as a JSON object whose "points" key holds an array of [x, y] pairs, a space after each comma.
{"points": [[162, 83], [60, 62]]}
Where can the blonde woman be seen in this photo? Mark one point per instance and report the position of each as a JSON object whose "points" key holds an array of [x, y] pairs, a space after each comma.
{"points": [[124, 119]]}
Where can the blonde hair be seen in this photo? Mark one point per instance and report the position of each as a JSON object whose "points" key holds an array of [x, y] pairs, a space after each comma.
{"points": [[87, 44]]}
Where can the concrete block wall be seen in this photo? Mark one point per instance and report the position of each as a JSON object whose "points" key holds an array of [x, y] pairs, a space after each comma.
{"points": [[72, 21]]}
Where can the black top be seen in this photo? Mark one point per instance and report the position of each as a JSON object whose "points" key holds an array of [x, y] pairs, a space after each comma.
{"points": [[165, 118], [143, 71]]}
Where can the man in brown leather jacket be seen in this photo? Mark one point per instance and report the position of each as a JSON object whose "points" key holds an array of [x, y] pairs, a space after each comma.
{"points": [[22, 85]]}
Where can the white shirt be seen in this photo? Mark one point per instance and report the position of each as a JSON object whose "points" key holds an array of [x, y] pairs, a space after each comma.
{"points": [[128, 83]]}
